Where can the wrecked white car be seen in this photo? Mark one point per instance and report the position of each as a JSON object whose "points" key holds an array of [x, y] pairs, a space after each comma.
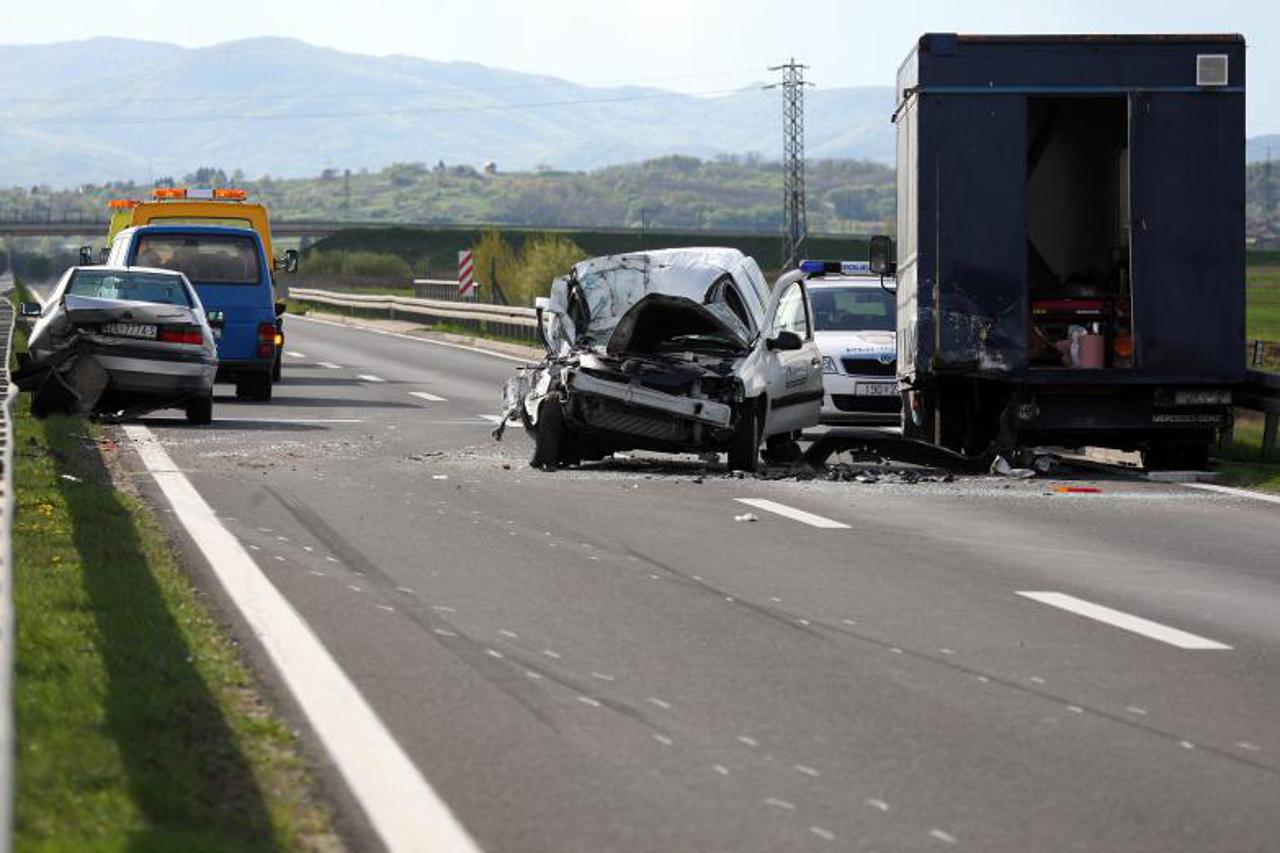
{"points": [[120, 341], [678, 350]]}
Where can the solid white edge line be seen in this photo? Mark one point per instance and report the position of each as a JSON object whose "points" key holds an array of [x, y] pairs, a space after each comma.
{"points": [[1126, 621], [414, 338], [1239, 493], [401, 805], [428, 396], [793, 513]]}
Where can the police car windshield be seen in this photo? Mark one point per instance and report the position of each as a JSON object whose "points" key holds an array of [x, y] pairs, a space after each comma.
{"points": [[853, 309]]}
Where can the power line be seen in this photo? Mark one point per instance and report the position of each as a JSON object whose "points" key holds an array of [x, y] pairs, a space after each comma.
{"points": [[796, 225]]}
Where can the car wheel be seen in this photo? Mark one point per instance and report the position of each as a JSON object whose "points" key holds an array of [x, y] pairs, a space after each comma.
{"points": [[548, 435], [200, 410], [744, 450], [255, 386], [782, 450]]}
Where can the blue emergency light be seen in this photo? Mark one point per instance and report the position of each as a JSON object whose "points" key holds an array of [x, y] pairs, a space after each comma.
{"points": [[835, 267]]}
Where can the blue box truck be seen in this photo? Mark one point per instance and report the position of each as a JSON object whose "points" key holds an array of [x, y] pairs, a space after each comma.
{"points": [[1070, 258]]}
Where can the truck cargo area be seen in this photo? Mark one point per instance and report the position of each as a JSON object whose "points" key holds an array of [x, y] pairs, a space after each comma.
{"points": [[1078, 274]]}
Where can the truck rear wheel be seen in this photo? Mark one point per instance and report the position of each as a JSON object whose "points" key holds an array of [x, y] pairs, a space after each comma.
{"points": [[255, 386]]}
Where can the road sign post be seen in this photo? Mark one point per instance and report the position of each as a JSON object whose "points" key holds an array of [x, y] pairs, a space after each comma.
{"points": [[466, 275]]}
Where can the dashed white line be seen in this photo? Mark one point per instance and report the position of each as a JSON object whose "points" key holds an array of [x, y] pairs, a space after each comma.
{"points": [[293, 353], [279, 558], [442, 609], [531, 674], [944, 837], [430, 398], [317, 574], [493, 419], [749, 741], [443, 632], [782, 804], [587, 700], [551, 654], [721, 769], [807, 770], [354, 588], [1186, 744], [879, 805], [494, 653], [793, 513], [1250, 747], [663, 739], [405, 590], [1125, 621], [824, 834], [329, 365], [387, 608], [511, 635], [1134, 709], [652, 700], [369, 377], [602, 677]]}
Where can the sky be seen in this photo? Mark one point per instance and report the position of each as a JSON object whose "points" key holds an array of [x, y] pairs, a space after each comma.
{"points": [[693, 46]]}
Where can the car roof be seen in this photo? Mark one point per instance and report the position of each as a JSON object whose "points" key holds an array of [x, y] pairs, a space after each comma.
{"points": [[117, 268]]}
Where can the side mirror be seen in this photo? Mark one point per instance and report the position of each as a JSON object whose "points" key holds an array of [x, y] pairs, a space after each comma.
{"points": [[216, 319], [291, 260], [882, 256], [784, 342], [30, 309], [86, 256], [103, 254], [281, 307]]}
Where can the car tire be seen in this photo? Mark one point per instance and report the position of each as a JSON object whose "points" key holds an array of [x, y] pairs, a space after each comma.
{"points": [[255, 386], [200, 410], [744, 449], [782, 450], [548, 437]]}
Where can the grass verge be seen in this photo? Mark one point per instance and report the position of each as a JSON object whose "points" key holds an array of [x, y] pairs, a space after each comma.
{"points": [[139, 727], [1241, 464]]}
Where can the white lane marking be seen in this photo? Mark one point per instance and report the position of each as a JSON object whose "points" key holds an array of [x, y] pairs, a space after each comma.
{"points": [[749, 741], [329, 365], [493, 419], [293, 353], [1125, 621], [531, 674], [443, 632], [944, 837], [1075, 709], [314, 572], [354, 588], [1250, 747], [551, 654], [587, 700], [399, 802], [387, 608], [494, 653], [824, 834], [509, 634], [807, 770], [721, 769], [782, 804], [1186, 744], [663, 739], [602, 676], [369, 377], [878, 804], [1134, 709], [413, 338], [1238, 493], [793, 513], [430, 398], [653, 700]]}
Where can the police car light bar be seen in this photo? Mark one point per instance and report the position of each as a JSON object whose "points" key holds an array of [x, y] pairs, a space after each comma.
{"points": [[835, 267]]}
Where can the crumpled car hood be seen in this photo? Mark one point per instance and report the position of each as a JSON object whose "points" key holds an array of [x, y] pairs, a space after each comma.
{"points": [[658, 317]]}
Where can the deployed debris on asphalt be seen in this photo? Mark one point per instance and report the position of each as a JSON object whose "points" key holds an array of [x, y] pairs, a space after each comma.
{"points": [[117, 341], [679, 350]]}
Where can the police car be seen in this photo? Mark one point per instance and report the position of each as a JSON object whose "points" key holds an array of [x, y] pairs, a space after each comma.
{"points": [[855, 327]]}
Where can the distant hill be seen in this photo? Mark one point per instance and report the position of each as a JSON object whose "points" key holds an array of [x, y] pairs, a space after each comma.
{"points": [[1259, 148], [112, 109]]}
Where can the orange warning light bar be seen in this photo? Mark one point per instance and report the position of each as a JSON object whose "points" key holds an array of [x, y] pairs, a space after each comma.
{"points": [[230, 195], [169, 192], [123, 203]]}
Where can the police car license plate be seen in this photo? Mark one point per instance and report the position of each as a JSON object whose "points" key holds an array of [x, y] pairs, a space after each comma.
{"points": [[876, 389], [130, 330]]}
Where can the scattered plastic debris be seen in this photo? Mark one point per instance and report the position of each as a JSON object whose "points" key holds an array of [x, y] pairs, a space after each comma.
{"points": [[1077, 490], [439, 476], [1001, 468], [747, 516], [72, 477]]}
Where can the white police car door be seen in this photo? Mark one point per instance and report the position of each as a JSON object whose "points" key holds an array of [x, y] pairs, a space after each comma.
{"points": [[795, 376]]}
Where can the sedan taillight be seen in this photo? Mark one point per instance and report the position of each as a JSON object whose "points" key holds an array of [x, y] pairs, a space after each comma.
{"points": [[182, 335]]}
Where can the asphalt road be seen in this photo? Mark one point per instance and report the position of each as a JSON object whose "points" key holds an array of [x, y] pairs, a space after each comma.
{"points": [[605, 659]]}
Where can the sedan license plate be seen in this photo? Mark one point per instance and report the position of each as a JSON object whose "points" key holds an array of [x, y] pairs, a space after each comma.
{"points": [[876, 389], [130, 330]]}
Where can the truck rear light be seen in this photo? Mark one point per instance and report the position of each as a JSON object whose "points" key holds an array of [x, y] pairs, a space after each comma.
{"points": [[266, 340], [182, 335]]}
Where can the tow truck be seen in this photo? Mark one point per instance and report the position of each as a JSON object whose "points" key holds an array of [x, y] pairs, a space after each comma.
{"points": [[205, 206]]}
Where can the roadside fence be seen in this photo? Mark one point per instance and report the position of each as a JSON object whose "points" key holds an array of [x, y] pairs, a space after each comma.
{"points": [[8, 626], [507, 321]]}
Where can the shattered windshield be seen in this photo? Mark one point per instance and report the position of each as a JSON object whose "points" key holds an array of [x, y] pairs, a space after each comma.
{"points": [[132, 286]]}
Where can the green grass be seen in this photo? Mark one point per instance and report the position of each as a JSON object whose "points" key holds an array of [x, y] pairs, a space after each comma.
{"points": [[1262, 296], [1241, 464], [138, 725]]}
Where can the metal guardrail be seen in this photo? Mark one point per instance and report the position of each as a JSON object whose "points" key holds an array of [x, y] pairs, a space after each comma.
{"points": [[8, 624], [505, 320], [1261, 393]]}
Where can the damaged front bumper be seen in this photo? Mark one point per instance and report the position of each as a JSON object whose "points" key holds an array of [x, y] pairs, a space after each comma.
{"points": [[634, 394]]}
